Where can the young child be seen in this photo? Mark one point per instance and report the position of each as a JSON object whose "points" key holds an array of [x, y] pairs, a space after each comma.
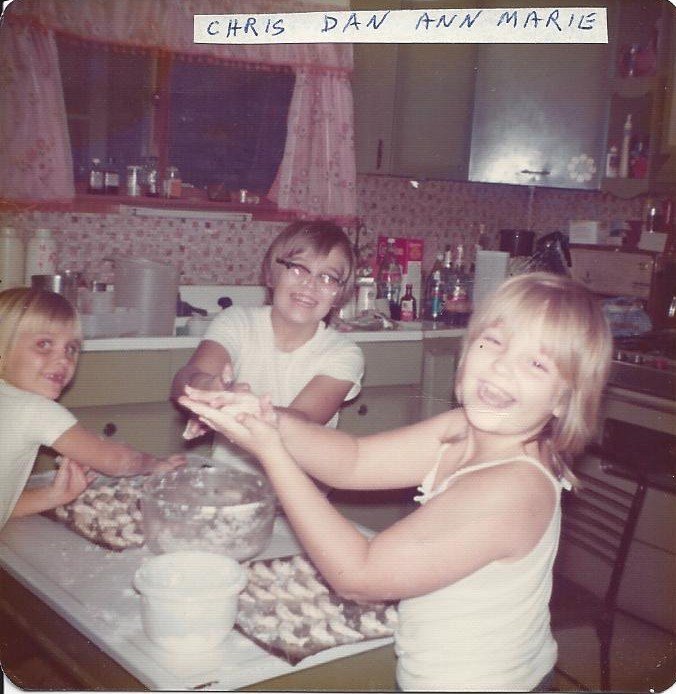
{"points": [[285, 349], [39, 348], [472, 567]]}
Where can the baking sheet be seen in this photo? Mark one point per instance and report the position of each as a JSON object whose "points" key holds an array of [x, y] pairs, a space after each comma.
{"points": [[91, 588]]}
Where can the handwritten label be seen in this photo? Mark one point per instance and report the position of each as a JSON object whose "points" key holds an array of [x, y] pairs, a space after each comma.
{"points": [[521, 25]]}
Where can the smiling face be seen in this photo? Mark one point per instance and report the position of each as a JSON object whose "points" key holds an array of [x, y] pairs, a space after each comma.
{"points": [[509, 384], [300, 296], [43, 361]]}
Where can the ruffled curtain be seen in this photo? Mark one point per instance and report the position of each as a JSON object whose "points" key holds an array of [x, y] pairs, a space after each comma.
{"points": [[317, 174]]}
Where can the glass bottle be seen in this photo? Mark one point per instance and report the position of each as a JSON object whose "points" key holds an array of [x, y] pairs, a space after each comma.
{"points": [[171, 186], [408, 305], [40, 255], [111, 178], [389, 279], [434, 289]]}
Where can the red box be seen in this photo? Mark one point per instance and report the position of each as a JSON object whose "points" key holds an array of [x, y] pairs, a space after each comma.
{"points": [[407, 250]]}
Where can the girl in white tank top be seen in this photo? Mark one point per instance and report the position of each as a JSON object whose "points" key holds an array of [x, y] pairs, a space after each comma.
{"points": [[472, 566]]}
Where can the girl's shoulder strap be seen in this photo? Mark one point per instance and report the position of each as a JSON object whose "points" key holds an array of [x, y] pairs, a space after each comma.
{"points": [[503, 461]]}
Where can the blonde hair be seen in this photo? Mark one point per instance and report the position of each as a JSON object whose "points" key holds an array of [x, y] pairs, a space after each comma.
{"points": [[318, 237], [575, 335], [23, 309]]}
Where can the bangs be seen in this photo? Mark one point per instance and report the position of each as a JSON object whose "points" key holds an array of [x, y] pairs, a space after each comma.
{"points": [[46, 311], [561, 319]]}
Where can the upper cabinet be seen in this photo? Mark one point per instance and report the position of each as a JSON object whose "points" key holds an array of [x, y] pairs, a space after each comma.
{"points": [[536, 114], [540, 113], [413, 102]]}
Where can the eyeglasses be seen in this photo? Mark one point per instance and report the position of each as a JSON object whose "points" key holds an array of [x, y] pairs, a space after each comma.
{"points": [[325, 281]]}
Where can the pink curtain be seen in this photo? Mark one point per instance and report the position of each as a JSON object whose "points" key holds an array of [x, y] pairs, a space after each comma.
{"points": [[36, 159], [317, 175]]}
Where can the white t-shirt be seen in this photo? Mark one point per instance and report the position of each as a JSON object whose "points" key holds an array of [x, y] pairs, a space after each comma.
{"points": [[247, 335], [27, 421]]}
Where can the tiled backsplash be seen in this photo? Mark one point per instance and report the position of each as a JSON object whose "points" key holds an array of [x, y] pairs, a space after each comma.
{"points": [[227, 252]]}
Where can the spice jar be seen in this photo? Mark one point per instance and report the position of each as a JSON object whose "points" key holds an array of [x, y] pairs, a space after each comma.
{"points": [[134, 180], [172, 183]]}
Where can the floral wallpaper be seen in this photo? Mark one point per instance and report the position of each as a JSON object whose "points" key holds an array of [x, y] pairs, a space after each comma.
{"points": [[226, 252]]}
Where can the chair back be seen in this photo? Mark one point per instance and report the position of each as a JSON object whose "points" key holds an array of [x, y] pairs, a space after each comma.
{"points": [[600, 517]]}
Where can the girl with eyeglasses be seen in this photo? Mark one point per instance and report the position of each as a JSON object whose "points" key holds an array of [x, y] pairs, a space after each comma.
{"points": [[285, 348]]}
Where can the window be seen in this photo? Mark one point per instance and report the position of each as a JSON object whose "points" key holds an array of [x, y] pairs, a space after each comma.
{"points": [[218, 124]]}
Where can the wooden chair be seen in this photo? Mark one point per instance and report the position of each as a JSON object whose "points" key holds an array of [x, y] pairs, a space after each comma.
{"points": [[599, 518]]}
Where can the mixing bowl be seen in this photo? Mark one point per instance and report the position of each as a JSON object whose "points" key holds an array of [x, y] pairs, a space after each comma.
{"points": [[214, 509]]}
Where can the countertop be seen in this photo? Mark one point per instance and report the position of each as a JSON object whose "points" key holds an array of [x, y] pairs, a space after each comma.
{"points": [[405, 332], [91, 589]]}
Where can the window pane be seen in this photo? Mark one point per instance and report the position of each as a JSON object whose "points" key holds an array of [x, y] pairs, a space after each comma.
{"points": [[108, 103], [228, 125]]}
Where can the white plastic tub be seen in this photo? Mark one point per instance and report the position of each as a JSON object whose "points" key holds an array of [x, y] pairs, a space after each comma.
{"points": [[189, 599]]}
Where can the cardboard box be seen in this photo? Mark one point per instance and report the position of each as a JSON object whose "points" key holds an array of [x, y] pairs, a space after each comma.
{"points": [[586, 231]]}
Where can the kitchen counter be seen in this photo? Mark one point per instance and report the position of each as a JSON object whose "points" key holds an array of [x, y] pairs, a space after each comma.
{"points": [[413, 332], [66, 591]]}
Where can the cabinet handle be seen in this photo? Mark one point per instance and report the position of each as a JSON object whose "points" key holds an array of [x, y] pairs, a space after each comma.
{"points": [[109, 429], [363, 409], [379, 155]]}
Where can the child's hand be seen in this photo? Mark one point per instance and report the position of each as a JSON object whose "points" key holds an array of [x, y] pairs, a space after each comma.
{"points": [[70, 481], [215, 395], [232, 402], [238, 423]]}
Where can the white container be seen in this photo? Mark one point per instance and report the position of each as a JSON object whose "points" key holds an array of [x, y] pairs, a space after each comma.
{"points": [[12, 258], [152, 289], [490, 273], [586, 231], [40, 255], [189, 599]]}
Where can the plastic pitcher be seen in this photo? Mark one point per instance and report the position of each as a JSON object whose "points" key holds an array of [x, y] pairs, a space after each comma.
{"points": [[151, 288]]}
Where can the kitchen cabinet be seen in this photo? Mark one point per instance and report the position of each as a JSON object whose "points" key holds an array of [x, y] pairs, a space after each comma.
{"points": [[413, 103], [540, 113]]}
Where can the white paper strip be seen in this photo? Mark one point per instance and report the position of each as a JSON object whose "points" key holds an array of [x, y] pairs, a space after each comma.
{"points": [[508, 25]]}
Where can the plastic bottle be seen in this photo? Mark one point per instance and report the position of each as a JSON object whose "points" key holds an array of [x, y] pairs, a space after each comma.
{"points": [[171, 186], [40, 255], [408, 305], [12, 258], [612, 162], [625, 147], [389, 279]]}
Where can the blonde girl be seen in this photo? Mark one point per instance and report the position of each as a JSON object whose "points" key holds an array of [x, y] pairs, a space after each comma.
{"points": [[285, 349], [472, 567], [40, 342]]}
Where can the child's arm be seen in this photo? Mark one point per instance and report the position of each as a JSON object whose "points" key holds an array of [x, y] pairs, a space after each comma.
{"points": [[321, 398], [110, 457], [209, 368], [494, 514], [69, 482], [394, 459]]}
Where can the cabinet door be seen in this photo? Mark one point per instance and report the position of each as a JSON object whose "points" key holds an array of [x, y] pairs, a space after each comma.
{"points": [[373, 93], [433, 105], [413, 103], [540, 114], [380, 408]]}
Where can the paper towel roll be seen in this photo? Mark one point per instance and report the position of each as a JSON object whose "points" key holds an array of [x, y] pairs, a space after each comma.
{"points": [[490, 273]]}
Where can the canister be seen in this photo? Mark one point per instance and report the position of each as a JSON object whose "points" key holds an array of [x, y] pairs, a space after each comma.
{"points": [[40, 255], [12, 258]]}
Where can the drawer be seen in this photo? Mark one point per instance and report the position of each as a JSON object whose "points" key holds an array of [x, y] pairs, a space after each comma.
{"points": [[392, 363]]}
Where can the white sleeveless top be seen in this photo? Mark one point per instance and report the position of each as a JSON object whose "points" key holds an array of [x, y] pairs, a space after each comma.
{"points": [[489, 631]]}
